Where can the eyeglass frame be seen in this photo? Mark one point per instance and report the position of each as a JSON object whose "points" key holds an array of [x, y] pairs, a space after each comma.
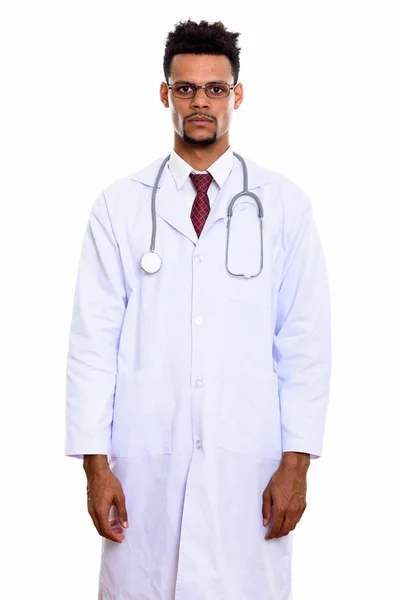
{"points": [[201, 87]]}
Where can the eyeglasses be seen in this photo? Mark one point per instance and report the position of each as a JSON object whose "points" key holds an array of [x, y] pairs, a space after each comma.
{"points": [[213, 89]]}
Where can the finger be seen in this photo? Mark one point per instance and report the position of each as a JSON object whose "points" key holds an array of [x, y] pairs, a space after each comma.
{"points": [[276, 523], [291, 519], [106, 530], [118, 530], [119, 502], [267, 507], [93, 516], [114, 522], [287, 526]]}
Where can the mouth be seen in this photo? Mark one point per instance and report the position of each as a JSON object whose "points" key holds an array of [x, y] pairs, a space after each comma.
{"points": [[200, 120]]}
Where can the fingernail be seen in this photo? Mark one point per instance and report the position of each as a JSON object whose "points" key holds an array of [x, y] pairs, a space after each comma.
{"points": [[265, 521], [126, 524]]}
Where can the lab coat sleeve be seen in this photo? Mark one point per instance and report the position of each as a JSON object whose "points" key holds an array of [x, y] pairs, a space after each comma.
{"points": [[302, 341], [97, 316]]}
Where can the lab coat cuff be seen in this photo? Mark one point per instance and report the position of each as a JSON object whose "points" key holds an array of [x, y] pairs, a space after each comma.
{"points": [[79, 449], [314, 450]]}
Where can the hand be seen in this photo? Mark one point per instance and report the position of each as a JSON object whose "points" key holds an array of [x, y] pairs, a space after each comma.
{"points": [[285, 495], [103, 491]]}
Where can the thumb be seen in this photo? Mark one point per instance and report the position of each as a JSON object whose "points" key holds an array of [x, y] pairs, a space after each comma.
{"points": [[267, 507], [120, 506]]}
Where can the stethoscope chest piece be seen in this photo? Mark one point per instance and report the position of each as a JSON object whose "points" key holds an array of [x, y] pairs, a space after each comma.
{"points": [[150, 262]]}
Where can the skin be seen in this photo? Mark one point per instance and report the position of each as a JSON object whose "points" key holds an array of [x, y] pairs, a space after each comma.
{"points": [[200, 145], [284, 498], [103, 491]]}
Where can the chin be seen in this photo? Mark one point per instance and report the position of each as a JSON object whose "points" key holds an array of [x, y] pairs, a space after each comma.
{"points": [[199, 141]]}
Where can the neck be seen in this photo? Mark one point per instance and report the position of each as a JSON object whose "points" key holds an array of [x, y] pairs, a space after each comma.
{"points": [[200, 158]]}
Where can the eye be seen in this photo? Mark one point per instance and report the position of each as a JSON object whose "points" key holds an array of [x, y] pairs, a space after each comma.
{"points": [[214, 90], [184, 88]]}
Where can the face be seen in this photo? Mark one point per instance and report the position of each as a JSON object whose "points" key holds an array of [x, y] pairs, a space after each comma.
{"points": [[201, 69]]}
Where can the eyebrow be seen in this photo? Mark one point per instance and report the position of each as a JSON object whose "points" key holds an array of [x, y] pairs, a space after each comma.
{"points": [[208, 82]]}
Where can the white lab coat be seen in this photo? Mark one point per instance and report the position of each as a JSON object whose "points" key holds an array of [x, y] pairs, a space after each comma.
{"points": [[194, 382]]}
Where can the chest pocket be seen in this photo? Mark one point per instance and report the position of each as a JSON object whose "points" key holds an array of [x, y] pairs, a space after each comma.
{"points": [[249, 416], [255, 291], [143, 409]]}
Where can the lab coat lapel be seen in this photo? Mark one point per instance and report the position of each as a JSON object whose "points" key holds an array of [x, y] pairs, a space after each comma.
{"points": [[171, 208]]}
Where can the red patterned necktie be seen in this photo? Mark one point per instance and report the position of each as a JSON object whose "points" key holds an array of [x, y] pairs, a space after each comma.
{"points": [[201, 204]]}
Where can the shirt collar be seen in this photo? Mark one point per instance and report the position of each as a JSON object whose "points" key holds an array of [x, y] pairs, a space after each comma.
{"points": [[220, 169]]}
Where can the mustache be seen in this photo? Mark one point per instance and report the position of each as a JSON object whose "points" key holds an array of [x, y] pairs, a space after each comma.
{"points": [[200, 116]]}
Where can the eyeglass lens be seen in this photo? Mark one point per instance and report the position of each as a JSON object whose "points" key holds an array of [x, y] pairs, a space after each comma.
{"points": [[213, 90]]}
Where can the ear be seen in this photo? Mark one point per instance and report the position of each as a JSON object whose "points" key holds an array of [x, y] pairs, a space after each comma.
{"points": [[164, 94], [238, 96]]}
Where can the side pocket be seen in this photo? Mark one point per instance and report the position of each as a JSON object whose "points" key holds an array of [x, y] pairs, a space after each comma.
{"points": [[249, 418], [143, 409]]}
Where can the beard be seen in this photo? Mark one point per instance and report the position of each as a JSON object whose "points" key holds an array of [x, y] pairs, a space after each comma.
{"points": [[195, 142]]}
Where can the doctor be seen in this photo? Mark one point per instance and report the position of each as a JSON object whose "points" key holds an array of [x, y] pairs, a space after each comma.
{"points": [[195, 397]]}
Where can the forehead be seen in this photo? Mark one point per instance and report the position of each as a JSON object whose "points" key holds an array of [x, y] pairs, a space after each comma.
{"points": [[200, 68]]}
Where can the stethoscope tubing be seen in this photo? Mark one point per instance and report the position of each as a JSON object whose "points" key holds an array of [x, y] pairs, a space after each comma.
{"points": [[155, 258]]}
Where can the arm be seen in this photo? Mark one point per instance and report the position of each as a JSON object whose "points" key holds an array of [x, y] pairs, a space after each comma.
{"points": [[302, 353], [98, 312], [302, 344]]}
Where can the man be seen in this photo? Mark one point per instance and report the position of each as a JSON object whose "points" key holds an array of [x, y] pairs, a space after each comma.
{"points": [[206, 391]]}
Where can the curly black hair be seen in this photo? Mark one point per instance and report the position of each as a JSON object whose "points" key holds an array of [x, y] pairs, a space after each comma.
{"points": [[190, 37]]}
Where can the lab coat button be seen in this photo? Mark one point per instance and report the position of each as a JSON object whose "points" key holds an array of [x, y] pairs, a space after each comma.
{"points": [[198, 383], [198, 444], [198, 258], [198, 320]]}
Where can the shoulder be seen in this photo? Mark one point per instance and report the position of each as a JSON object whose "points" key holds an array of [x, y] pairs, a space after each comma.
{"points": [[122, 185], [286, 195], [133, 185]]}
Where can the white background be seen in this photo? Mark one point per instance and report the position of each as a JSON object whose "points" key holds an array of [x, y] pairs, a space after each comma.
{"points": [[80, 108]]}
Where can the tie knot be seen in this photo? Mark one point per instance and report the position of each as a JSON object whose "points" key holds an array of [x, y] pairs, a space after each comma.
{"points": [[201, 181]]}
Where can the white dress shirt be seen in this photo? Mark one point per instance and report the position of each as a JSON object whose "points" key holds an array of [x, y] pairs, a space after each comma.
{"points": [[180, 170]]}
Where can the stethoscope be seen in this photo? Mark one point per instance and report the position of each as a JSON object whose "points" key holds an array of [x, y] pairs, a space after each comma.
{"points": [[151, 261]]}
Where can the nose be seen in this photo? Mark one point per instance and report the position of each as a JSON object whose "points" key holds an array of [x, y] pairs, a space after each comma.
{"points": [[201, 100]]}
